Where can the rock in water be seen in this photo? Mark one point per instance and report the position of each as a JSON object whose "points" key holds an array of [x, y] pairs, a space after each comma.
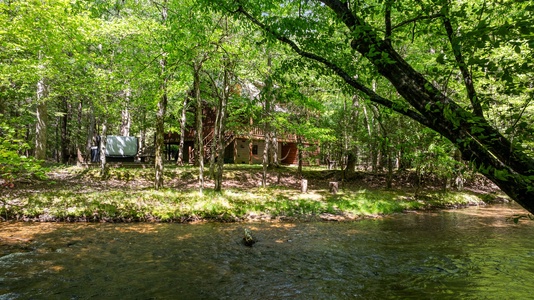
{"points": [[248, 240]]}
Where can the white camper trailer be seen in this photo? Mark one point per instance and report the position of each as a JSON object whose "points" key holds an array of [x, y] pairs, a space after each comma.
{"points": [[118, 148]]}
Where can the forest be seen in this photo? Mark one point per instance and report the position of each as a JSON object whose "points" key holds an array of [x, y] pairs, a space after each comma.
{"points": [[441, 90]]}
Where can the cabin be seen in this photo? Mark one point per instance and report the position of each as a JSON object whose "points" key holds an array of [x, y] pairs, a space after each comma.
{"points": [[241, 148]]}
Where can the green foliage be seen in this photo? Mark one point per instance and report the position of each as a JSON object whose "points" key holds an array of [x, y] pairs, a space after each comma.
{"points": [[13, 164], [100, 59]]}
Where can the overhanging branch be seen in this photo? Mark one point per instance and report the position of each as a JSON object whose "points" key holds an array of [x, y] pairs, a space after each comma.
{"points": [[374, 97]]}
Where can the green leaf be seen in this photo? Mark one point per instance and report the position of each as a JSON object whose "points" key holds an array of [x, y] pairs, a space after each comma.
{"points": [[441, 59]]}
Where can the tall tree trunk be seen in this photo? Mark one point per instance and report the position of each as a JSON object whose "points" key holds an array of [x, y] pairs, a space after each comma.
{"points": [[265, 156], [299, 149], [103, 141], [183, 120], [373, 153], [220, 147], [42, 120], [389, 177], [142, 133], [160, 128], [160, 115], [214, 142], [64, 128], [274, 148], [126, 120], [351, 164], [221, 127], [78, 135], [351, 127], [268, 95], [91, 135], [199, 135]]}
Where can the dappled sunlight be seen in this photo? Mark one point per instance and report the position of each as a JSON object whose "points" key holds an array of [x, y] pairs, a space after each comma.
{"points": [[495, 217], [282, 225], [312, 195], [184, 237], [56, 268], [81, 197], [12, 233], [147, 229]]}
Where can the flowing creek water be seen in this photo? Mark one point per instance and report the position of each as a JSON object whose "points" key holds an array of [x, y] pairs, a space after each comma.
{"points": [[473, 253]]}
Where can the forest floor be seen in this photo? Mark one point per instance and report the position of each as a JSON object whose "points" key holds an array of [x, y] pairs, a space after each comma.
{"points": [[127, 195]]}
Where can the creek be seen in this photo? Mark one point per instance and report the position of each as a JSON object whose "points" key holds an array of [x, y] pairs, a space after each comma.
{"points": [[473, 253]]}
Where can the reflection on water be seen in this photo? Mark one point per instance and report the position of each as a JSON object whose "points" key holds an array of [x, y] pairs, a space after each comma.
{"points": [[469, 254]]}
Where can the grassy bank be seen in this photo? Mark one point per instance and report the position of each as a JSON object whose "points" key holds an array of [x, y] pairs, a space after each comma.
{"points": [[74, 194]]}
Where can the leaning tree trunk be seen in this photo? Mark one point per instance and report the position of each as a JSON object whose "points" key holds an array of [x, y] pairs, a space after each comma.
{"points": [[507, 165]]}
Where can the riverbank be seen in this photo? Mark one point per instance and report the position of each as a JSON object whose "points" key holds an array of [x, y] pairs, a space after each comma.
{"points": [[74, 194]]}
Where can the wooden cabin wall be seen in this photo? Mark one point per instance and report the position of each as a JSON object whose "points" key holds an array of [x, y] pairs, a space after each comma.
{"points": [[244, 149]]}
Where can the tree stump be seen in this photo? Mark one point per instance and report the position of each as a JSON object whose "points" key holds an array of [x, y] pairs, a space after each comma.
{"points": [[304, 185], [334, 186]]}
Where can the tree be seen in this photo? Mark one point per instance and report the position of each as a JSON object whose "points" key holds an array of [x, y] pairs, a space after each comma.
{"points": [[377, 32], [162, 107], [43, 45]]}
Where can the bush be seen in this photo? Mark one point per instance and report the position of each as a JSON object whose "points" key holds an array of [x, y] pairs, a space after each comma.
{"points": [[13, 164]]}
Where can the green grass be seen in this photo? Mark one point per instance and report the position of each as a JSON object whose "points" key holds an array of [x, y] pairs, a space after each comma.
{"points": [[235, 204], [230, 205]]}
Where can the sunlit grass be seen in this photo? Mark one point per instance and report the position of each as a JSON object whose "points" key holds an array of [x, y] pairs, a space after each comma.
{"points": [[233, 204]]}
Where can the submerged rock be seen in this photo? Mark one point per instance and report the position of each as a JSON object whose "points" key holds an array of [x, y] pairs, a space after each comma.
{"points": [[248, 240]]}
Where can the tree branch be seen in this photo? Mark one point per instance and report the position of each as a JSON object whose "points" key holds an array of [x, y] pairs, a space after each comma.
{"points": [[468, 78], [340, 72], [387, 18], [414, 20]]}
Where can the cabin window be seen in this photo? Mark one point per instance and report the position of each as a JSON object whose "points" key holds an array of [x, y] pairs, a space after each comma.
{"points": [[254, 149]]}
